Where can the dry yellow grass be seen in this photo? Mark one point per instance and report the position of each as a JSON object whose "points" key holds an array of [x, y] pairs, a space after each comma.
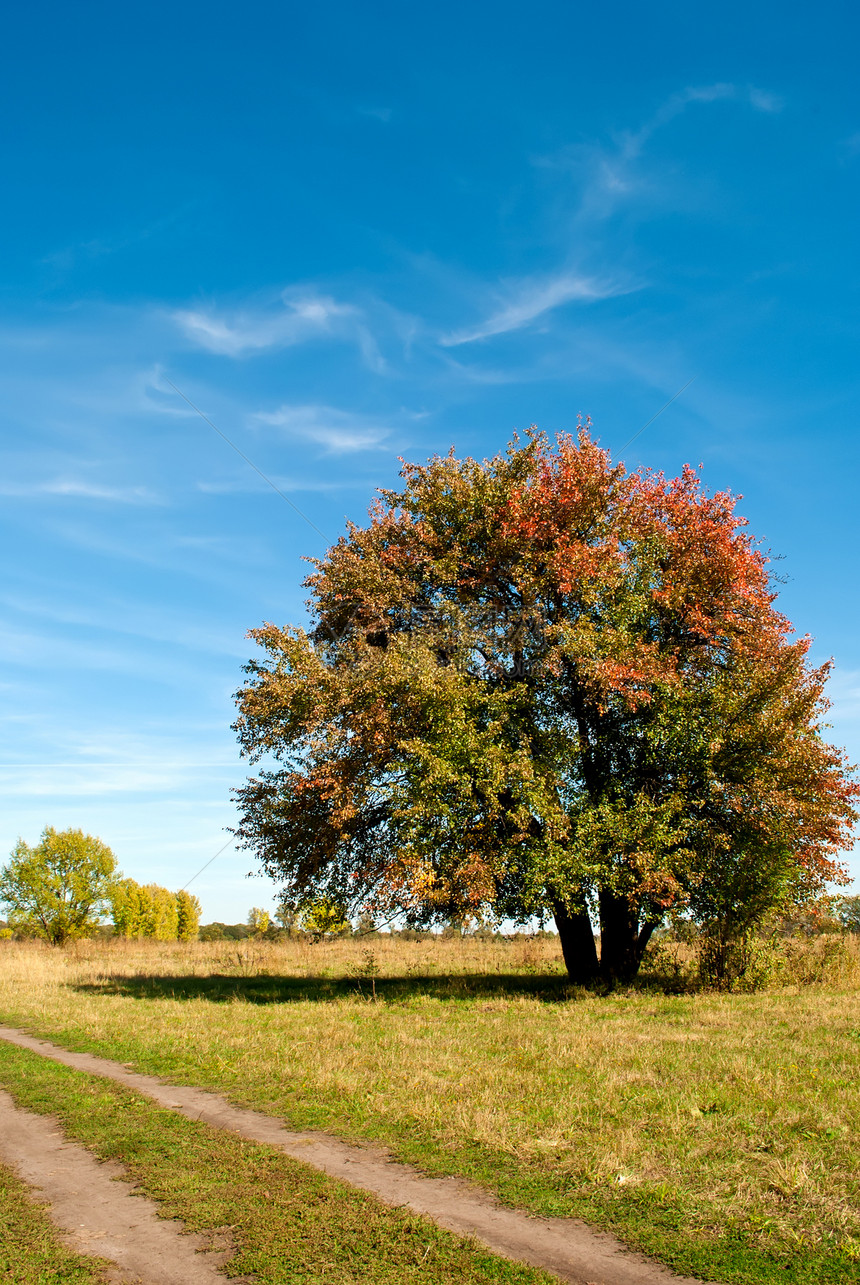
{"points": [[704, 1111]]}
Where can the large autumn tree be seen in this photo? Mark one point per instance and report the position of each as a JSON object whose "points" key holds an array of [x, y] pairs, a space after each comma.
{"points": [[541, 685]]}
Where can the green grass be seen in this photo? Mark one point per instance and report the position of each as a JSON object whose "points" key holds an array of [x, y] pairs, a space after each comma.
{"points": [[31, 1252], [718, 1133], [288, 1223]]}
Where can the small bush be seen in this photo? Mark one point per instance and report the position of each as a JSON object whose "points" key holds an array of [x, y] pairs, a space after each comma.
{"points": [[746, 962], [827, 960], [753, 961]]}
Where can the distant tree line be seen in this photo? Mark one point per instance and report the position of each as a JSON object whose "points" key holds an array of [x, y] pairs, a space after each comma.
{"points": [[829, 914], [62, 889]]}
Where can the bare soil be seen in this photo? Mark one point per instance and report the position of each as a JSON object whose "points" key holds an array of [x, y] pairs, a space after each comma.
{"points": [[97, 1211], [566, 1247]]}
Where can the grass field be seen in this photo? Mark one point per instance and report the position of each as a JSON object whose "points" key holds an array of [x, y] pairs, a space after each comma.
{"points": [[717, 1132]]}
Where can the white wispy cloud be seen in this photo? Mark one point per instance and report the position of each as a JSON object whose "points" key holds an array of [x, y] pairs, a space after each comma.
{"points": [[243, 331], [764, 101], [530, 299], [68, 780], [759, 99], [159, 768], [851, 145], [108, 759], [126, 617], [288, 484], [32, 649], [77, 489], [299, 316], [338, 432], [611, 174], [67, 257], [382, 114], [153, 392]]}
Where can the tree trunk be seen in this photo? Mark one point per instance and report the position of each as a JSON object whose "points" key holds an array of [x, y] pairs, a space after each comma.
{"points": [[577, 943], [622, 940]]}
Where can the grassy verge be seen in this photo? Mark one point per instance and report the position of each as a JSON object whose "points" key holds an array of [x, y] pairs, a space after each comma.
{"points": [[288, 1223], [718, 1133], [31, 1252]]}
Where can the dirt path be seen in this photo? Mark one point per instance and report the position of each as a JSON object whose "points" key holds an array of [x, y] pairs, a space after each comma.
{"points": [[570, 1249], [96, 1210]]}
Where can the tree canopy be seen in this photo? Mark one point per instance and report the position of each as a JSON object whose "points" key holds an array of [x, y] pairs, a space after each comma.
{"points": [[536, 685], [58, 889], [148, 910]]}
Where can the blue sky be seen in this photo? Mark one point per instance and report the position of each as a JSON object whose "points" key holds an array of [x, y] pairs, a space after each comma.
{"points": [[349, 232]]}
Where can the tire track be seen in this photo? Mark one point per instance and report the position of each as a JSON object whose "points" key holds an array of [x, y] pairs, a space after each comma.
{"points": [[97, 1210], [570, 1249]]}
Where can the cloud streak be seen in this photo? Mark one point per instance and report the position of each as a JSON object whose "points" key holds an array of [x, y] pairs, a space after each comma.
{"points": [[337, 432], [612, 174], [235, 487], [303, 316], [759, 99], [245, 331], [531, 299], [76, 489]]}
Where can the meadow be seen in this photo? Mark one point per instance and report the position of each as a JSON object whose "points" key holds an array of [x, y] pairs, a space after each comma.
{"points": [[717, 1132]]}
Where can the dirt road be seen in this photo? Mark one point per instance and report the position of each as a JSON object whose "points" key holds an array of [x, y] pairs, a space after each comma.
{"points": [[568, 1248]]}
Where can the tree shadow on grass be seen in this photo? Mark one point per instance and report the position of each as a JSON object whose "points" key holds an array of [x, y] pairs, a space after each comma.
{"points": [[265, 988]]}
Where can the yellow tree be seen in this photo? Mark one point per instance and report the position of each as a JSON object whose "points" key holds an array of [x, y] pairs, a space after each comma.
{"points": [[149, 910], [188, 916], [59, 889], [258, 921]]}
